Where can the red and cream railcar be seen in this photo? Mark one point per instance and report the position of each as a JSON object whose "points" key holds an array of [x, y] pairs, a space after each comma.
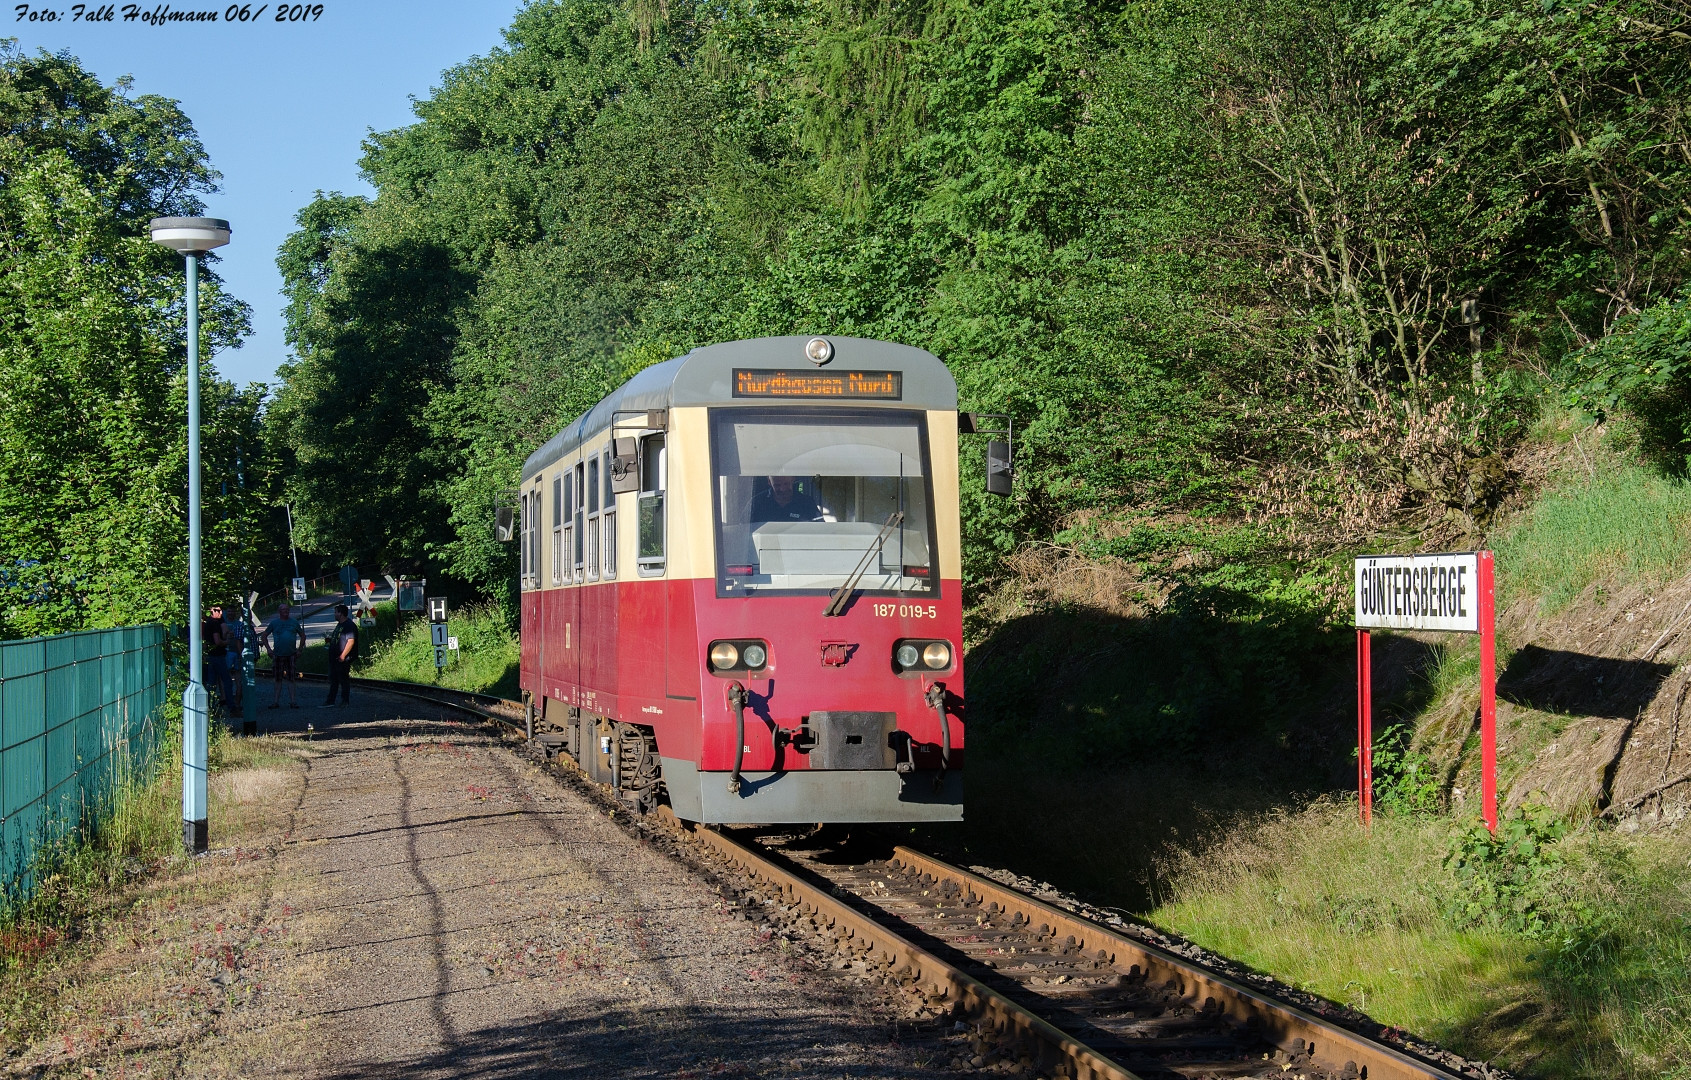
{"points": [[741, 585]]}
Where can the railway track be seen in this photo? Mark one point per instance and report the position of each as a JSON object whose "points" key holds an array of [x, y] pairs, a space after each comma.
{"points": [[1037, 990]]}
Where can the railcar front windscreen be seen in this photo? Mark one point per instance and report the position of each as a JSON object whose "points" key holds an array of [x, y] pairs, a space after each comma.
{"points": [[805, 498]]}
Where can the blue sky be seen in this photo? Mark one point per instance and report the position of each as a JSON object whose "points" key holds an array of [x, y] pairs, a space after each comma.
{"points": [[282, 109]]}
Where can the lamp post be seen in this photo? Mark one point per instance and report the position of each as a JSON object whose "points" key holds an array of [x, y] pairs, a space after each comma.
{"points": [[193, 237]]}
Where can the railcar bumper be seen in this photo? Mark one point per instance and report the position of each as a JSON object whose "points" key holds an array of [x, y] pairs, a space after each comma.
{"points": [[808, 796]]}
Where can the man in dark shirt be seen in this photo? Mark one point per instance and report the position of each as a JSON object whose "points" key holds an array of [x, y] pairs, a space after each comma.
{"points": [[216, 655], [782, 502], [342, 646]]}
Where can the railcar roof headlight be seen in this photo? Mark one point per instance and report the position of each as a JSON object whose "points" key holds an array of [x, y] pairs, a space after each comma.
{"points": [[907, 656], [754, 655], [937, 655], [723, 655], [819, 350]]}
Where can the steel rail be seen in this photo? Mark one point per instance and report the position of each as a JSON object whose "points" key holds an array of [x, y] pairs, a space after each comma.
{"points": [[1329, 1046], [433, 694], [942, 979]]}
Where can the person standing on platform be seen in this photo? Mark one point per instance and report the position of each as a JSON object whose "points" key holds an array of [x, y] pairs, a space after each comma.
{"points": [[216, 653], [235, 656], [283, 639], [342, 646]]}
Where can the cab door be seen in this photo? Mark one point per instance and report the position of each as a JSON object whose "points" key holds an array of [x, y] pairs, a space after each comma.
{"points": [[645, 617]]}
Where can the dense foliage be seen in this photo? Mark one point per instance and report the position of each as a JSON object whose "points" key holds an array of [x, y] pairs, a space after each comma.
{"points": [[1213, 257], [93, 403]]}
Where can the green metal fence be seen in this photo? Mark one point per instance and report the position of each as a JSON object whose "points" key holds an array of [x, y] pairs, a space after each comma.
{"points": [[72, 708]]}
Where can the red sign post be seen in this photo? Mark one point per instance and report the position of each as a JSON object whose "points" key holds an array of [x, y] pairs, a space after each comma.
{"points": [[1364, 726], [1452, 592]]}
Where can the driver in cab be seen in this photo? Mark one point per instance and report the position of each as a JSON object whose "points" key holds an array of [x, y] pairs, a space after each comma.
{"points": [[782, 501]]}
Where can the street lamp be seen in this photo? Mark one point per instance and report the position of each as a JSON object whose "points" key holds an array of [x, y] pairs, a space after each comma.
{"points": [[193, 237]]}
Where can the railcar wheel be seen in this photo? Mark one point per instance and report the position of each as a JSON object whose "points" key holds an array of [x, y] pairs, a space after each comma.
{"points": [[639, 776]]}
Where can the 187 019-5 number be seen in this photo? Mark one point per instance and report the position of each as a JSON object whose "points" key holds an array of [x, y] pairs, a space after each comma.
{"points": [[908, 611]]}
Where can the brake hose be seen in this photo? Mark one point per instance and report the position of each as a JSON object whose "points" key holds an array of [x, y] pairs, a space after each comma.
{"points": [[737, 698], [936, 699]]}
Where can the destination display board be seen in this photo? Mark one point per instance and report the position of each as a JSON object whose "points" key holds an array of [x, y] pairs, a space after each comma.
{"points": [[1419, 592], [840, 385]]}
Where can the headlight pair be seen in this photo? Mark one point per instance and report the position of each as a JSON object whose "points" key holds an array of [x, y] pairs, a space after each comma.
{"points": [[726, 656], [921, 655]]}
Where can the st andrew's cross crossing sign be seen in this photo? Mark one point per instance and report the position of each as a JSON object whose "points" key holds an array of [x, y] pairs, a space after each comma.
{"points": [[1452, 592]]}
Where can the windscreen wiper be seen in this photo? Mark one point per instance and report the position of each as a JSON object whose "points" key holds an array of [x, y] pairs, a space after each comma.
{"points": [[839, 597]]}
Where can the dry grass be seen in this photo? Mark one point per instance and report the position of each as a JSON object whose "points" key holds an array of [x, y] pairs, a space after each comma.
{"points": [[123, 974]]}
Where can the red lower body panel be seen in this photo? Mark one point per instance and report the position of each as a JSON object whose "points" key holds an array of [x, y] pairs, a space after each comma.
{"points": [[635, 651]]}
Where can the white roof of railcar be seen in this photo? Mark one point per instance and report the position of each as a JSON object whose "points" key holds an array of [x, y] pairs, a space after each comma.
{"points": [[705, 377]]}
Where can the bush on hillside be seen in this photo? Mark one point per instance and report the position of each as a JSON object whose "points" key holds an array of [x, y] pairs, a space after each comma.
{"points": [[1644, 369]]}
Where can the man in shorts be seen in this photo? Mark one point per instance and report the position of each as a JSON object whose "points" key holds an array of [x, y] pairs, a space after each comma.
{"points": [[283, 639]]}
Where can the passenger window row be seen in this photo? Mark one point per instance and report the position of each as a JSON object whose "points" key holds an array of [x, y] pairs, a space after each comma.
{"points": [[584, 520]]}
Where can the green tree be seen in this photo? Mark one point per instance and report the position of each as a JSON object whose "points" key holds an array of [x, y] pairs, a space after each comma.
{"points": [[92, 383], [1210, 257], [372, 326]]}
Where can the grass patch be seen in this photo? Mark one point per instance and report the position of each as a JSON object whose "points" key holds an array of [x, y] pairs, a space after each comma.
{"points": [[90, 880], [486, 660], [1624, 521], [1598, 984], [138, 823]]}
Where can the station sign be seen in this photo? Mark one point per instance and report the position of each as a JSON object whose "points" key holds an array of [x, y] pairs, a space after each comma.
{"points": [[1453, 592], [1418, 592]]}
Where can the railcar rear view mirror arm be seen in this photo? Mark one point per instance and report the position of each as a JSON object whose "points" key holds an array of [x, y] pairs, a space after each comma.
{"points": [[838, 598], [1000, 454]]}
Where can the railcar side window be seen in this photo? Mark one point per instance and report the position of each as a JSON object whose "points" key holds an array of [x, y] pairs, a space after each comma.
{"points": [[528, 523], [806, 496], [561, 569], [580, 519], [557, 526], [534, 538], [593, 519], [610, 521], [653, 468]]}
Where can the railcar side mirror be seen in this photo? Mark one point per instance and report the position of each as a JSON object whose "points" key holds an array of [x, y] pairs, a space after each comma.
{"points": [[504, 525], [1000, 466], [625, 465], [1000, 470]]}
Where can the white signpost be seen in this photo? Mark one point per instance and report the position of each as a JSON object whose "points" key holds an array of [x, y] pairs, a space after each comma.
{"points": [[1452, 592]]}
